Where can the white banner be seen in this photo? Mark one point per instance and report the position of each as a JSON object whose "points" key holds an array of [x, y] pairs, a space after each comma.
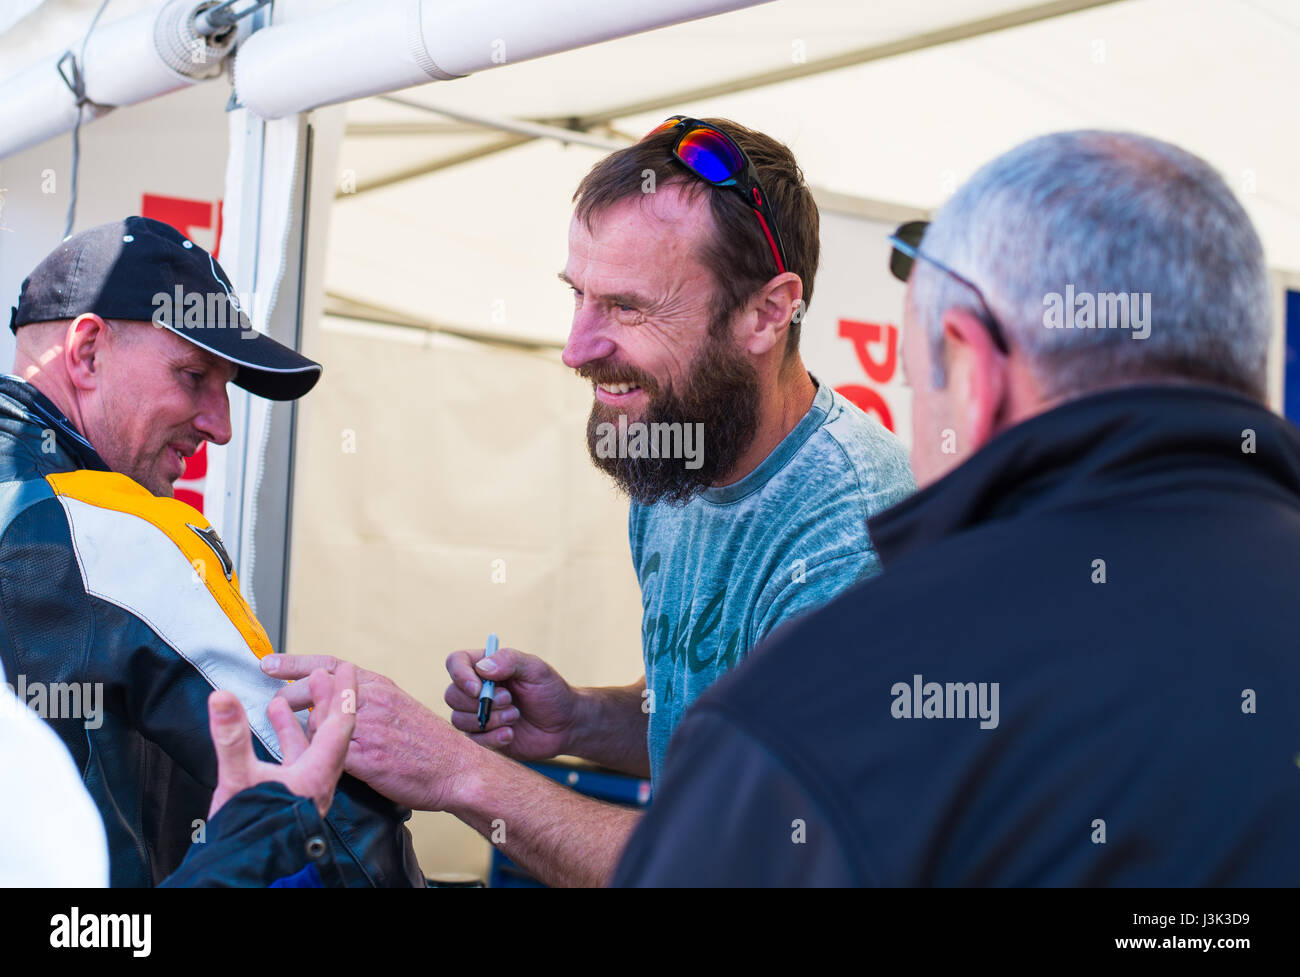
{"points": [[850, 337]]}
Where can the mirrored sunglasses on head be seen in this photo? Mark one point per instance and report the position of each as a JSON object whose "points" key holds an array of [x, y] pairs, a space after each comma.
{"points": [[715, 158]]}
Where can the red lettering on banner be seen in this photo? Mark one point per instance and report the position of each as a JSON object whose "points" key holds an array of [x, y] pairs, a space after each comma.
{"points": [[862, 334], [869, 401], [196, 465], [186, 216], [216, 242], [193, 499], [195, 475]]}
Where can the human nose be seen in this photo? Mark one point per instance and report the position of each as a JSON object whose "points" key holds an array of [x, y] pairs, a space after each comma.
{"points": [[588, 339], [213, 421]]}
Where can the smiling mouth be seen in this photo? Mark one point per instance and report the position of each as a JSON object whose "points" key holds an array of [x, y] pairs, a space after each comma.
{"points": [[618, 389], [181, 456]]}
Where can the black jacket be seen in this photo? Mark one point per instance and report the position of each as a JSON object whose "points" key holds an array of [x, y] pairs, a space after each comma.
{"points": [[262, 835], [111, 595], [1147, 726]]}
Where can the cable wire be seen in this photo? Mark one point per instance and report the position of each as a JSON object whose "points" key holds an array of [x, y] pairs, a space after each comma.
{"points": [[78, 85]]}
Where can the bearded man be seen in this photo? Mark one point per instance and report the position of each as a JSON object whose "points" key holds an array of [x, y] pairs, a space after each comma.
{"points": [[692, 256]]}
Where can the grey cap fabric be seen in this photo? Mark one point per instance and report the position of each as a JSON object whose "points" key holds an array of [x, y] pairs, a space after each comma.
{"points": [[144, 270]]}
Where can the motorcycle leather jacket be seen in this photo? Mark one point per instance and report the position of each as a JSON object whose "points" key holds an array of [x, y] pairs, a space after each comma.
{"points": [[119, 613]]}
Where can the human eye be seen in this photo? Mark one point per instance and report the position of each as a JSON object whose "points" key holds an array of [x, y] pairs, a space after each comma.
{"points": [[626, 309]]}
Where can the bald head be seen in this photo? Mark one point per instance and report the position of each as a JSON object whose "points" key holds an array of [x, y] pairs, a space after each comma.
{"points": [[36, 342]]}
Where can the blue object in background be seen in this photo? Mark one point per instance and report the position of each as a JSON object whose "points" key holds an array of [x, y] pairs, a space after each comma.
{"points": [[604, 785], [1291, 354], [307, 878]]}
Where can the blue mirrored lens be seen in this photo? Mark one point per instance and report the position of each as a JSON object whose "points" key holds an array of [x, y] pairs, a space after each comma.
{"points": [[710, 155]]}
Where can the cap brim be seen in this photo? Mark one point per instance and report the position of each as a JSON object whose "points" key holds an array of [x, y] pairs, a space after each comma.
{"points": [[266, 368]]}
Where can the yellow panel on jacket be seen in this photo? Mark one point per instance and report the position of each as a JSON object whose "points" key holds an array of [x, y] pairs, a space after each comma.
{"points": [[183, 525]]}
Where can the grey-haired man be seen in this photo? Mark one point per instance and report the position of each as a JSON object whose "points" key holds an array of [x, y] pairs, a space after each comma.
{"points": [[1077, 666]]}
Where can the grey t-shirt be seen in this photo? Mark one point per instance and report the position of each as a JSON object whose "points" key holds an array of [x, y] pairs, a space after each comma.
{"points": [[720, 573]]}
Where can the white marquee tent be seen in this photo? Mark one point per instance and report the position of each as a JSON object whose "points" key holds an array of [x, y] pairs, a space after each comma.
{"points": [[437, 480]]}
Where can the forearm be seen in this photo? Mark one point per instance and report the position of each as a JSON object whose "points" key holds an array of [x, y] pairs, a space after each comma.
{"points": [[556, 835], [611, 729]]}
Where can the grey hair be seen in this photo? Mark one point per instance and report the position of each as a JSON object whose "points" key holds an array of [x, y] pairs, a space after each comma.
{"points": [[1104, 213]]}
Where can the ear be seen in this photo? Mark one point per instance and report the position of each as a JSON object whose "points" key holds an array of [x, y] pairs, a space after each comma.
{"points": [[770, 310], [978, 375], [84, 343]]}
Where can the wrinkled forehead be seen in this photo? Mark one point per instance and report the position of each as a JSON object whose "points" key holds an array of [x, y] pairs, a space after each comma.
{"points": [[673, 217]]}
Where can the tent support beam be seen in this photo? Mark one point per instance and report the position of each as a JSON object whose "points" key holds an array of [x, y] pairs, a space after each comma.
{"points": [[1020, 17], [362, 130], [442, 163], [849, 59], [348, 307], [523, 127]]}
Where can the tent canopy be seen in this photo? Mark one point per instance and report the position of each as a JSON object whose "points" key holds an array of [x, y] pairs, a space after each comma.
{"points": [[443, 222]]}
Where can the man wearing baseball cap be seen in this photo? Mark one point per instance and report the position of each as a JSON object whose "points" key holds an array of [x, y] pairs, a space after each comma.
{"points": [[119, 607]]}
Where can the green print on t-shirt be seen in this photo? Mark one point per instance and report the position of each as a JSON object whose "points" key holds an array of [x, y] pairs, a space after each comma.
{"points": [[684, 642]]}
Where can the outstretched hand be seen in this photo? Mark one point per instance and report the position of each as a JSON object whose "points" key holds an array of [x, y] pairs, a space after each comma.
{"points": [[310, 769], [399, 747]]}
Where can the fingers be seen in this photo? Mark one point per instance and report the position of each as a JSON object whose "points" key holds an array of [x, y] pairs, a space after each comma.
{"points": [[293, 741], [469, 668], [298, 666], [323, 760], [314, 719], [236, 762], [315, 692], [460, 666], [461, 701], [494, 739], [297, 695], [467, 722], [510, 663], [322, 688]]}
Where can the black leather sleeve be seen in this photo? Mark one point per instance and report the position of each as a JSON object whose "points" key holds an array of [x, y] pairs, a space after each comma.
{"points": [[260, 835], [54, 630], [728, 813]]}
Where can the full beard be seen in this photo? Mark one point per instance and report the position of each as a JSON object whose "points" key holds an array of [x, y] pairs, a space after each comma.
{"points": [[721, 394]]}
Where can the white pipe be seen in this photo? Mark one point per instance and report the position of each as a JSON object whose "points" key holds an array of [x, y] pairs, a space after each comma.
{"points": [[366, 47], [142, 56], [356, 49]]}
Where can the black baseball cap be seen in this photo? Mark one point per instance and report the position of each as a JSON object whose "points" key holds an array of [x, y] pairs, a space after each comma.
{"points": [[145, 270]]}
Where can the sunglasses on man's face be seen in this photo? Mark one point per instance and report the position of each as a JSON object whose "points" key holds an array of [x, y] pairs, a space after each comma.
{"points": [[906, 242], [715, 158]]}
